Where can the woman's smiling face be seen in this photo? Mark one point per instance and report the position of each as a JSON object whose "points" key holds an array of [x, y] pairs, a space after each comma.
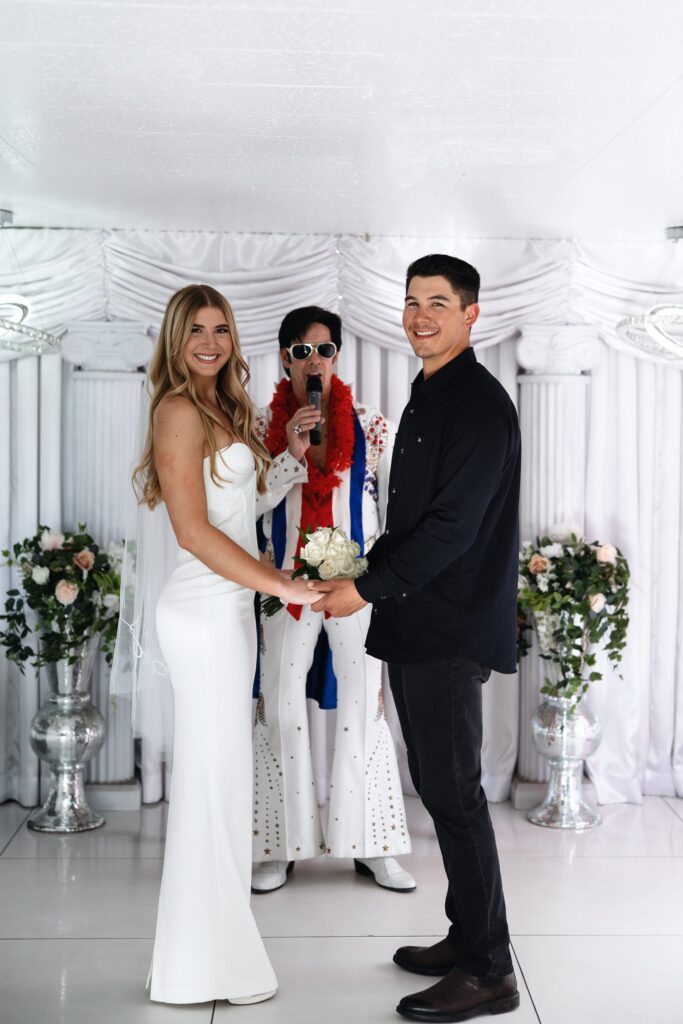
{"points": [[209, 346]]}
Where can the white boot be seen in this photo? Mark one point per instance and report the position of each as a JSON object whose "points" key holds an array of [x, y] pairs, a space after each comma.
{"points": [[270, 875], [387, 872]]}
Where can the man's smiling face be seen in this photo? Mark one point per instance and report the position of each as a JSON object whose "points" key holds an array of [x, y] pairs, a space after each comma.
{"points": [[437, 326]]}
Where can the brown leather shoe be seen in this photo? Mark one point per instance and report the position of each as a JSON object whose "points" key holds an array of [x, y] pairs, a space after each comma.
{"points": [[460, 996], [437, 959]]}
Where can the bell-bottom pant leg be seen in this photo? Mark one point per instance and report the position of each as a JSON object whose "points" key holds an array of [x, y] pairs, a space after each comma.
{"points": [[286, 814], [439, 707], [366, 811]]}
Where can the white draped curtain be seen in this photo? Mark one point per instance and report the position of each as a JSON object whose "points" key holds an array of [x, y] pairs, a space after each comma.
{"points": [[62, 467]]}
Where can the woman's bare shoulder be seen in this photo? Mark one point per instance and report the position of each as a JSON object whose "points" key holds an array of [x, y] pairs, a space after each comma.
{"points": [[177, 415]]}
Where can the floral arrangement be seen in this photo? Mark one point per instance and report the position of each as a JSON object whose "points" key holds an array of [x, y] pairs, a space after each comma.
{"points": [[327, 554], [69, 594], [576, 595]]}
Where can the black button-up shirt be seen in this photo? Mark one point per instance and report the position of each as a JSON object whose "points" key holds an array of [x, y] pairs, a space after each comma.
{"points": [[443, 575]]}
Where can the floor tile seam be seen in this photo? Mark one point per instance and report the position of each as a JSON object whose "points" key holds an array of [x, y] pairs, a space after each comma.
{"points": [[587, 856], [672, 808], [80, 860], [77, 938], [526, 983], [15, 833], [598, 935]]}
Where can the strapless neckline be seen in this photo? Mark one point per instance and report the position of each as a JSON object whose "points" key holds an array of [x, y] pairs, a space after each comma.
{"points": [[225, 448]]}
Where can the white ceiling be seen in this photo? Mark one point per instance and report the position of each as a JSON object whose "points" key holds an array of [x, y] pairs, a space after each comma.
{"points": [[469, 117]]}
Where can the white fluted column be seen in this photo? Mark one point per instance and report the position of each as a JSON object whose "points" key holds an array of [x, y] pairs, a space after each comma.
{"points": [[553, 401]]}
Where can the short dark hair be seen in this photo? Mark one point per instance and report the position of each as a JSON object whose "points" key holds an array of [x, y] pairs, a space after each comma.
{"points": [[297, 322], [463, 277]]}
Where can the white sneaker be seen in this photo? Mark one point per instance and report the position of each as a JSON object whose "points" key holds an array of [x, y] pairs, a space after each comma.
{"points": [[387, 872], [269, 876], [260, 998]]}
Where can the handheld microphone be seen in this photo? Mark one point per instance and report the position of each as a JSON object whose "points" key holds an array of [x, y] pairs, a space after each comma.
{"points": [[314, 394]]}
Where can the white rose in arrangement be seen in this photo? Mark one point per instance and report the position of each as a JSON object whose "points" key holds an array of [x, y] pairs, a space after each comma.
{"points": [[563, 531], [542, 582], [552, 550], [346, 567], [51, 541], [111, 601], [355, 548], [597, 602], [321, 535], [328, 569], [40, 574], [313, 552], [337, 543], [606, 554]]}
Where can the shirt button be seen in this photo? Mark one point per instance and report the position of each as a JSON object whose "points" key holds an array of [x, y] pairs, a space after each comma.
{"points": [[419, 440], [393, 490], [404, 595], [411, 411], [402, 450], [387, 530]]}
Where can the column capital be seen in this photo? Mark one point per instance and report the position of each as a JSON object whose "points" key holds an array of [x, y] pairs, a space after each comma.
{"points": [[115, 345], [564, 350]]}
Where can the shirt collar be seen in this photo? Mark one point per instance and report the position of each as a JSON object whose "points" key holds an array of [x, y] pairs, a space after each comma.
{"points": [[452, 371]]}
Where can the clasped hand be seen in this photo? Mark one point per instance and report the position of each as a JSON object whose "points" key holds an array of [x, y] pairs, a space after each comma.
{"points": [[338, 597]]}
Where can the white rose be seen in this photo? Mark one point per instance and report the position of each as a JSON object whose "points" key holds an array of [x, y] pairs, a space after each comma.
{"points": [[542, 582], [606, 554], [313, 553], [552, 550], [40, 574], [597, 602], [338, 543], [355, 548], [111, 601], [346, 567], [360, 565], [321, 535], [328, 569], [563, 531], [51, 541]]}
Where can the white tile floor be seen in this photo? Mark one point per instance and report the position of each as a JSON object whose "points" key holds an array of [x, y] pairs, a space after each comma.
{"points": [[596, 921]]}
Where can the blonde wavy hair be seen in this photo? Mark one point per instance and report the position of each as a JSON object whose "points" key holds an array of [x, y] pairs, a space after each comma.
{"points": [[168, 375]]}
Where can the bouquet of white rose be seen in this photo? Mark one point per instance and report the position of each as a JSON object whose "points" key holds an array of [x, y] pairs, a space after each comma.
{"points": [[327, 554]]}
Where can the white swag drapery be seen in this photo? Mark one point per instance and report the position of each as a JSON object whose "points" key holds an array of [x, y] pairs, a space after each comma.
{"points": [[634, 464]]}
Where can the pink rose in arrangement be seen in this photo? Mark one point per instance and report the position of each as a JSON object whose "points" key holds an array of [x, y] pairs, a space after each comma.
{"points": [[66, 592], [597, 602], [537, 563], [607, 554], [51, 541], [84, 559]]}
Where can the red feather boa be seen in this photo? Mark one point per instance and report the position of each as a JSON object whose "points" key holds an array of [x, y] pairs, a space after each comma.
{"points": [[340, 434]]}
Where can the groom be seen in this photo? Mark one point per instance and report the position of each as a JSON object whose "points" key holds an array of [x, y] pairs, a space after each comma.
{"points": [[443, 585]]}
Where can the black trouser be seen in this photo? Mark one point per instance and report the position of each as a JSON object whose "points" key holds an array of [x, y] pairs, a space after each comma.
{"points": [[439, 707]]}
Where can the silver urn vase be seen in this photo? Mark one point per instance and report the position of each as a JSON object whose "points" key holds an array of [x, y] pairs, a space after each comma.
{"points": [[66, 732], [565, 732]]}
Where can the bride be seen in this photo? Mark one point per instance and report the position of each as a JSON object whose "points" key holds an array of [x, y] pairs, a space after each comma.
{"points": [[203, 460]]}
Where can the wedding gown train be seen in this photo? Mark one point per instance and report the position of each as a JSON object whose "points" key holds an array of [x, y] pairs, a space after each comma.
{"points": [[207, 945]]}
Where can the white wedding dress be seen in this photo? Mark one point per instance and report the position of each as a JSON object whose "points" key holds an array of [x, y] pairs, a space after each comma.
{"points": [[207, 945]]}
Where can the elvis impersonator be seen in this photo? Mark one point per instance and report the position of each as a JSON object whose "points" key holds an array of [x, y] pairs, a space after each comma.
{"points": [[341, 481]]}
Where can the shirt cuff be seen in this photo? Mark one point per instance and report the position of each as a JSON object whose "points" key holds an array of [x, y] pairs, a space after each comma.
{"points": [[294, 469], [369, 587]]}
